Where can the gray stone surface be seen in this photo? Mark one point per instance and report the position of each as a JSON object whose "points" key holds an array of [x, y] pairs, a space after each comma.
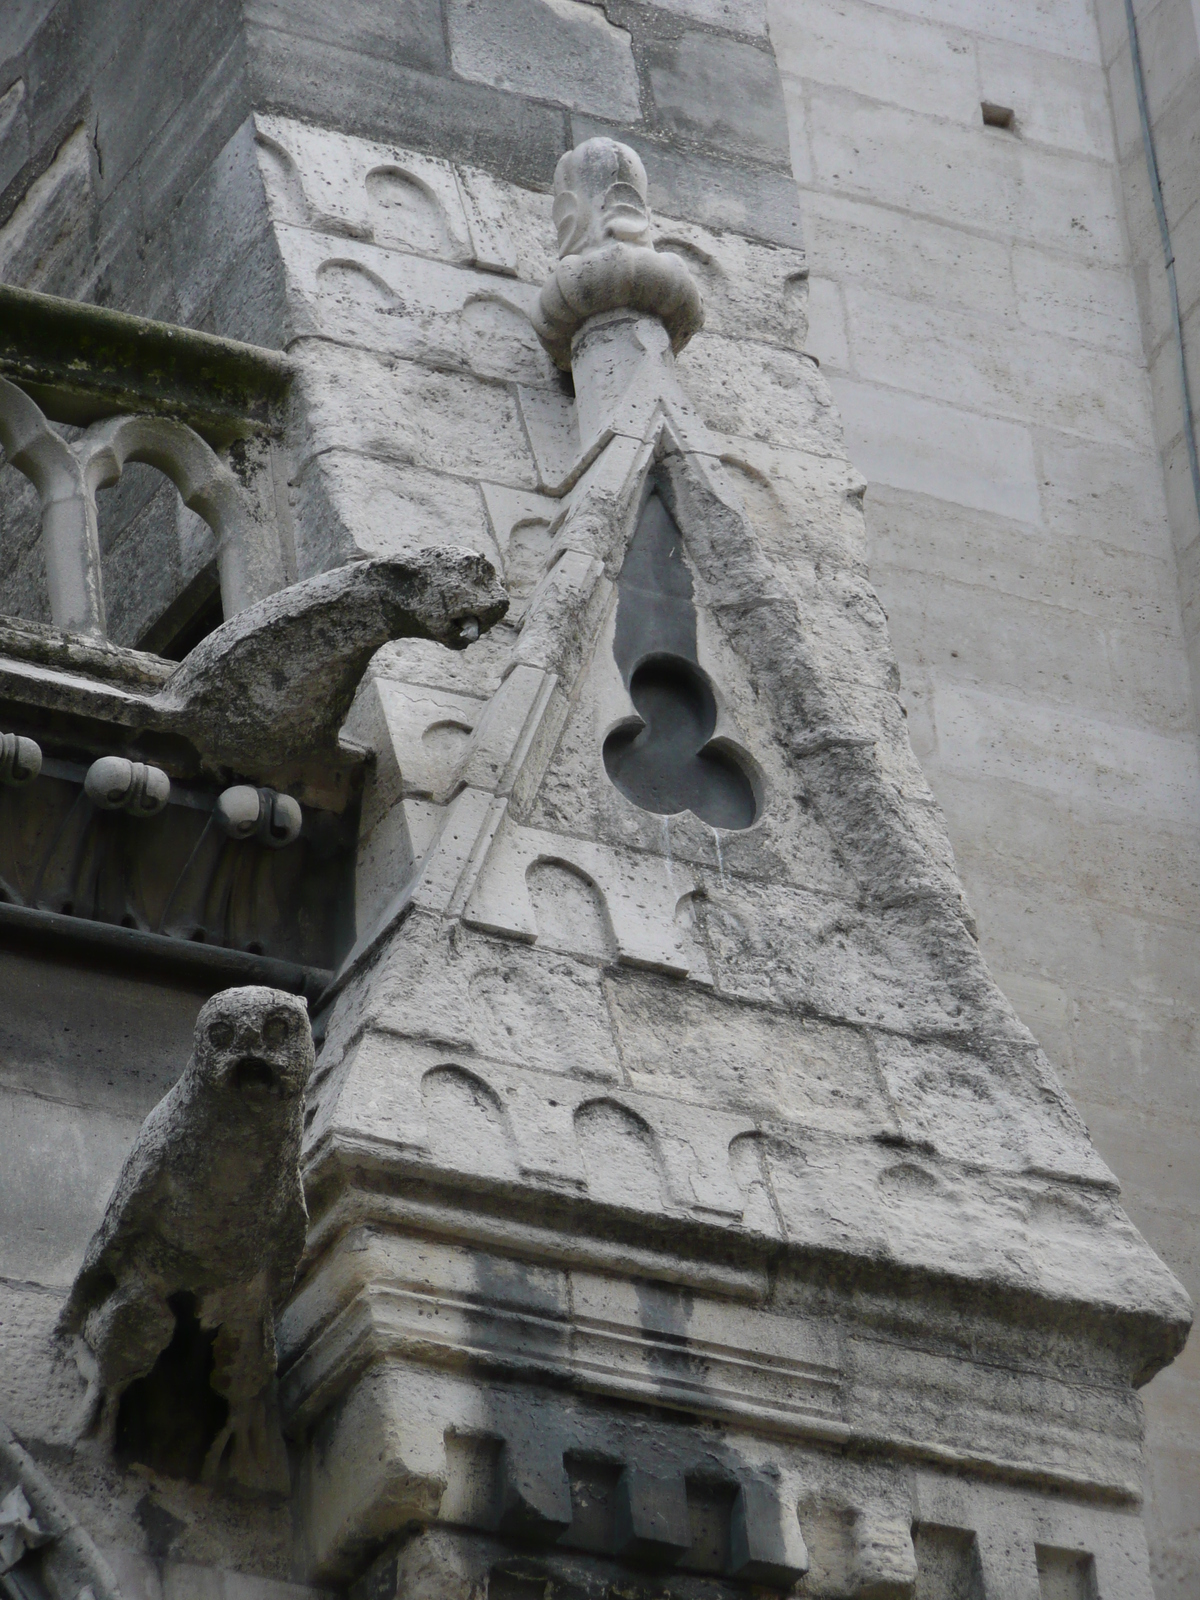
{"points": [[1051, 710], [558, 50], [208, 1206], [713, 1158]]}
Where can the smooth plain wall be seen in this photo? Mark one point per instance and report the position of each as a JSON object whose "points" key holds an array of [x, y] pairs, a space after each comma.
{"points": [[974, 304]]}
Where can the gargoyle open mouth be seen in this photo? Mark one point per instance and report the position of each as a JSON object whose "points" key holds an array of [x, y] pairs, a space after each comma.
{"points": [[254, 1074]]}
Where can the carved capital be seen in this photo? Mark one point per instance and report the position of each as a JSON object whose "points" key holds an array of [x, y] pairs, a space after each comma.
{"points": [[607, 261]]}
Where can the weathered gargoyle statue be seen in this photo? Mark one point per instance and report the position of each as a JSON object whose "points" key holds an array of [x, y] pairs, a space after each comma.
{"points": [[173, 1310]]}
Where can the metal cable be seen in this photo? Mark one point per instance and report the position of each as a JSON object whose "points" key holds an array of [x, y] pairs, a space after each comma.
{"points": [[1139, 79]]}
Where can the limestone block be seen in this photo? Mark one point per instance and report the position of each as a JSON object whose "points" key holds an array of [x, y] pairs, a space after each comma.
{"points": [[1085, 760], [390, 301], [916, 257], [765, 1543], [46, 1226], [1114, 494], [552, 49], [46, 243], [423, 1279], [1038, 375], [552, 428], [786, 947], [1023, 1540], [696, 1047], [905, 60], [441, 421], [361, 190], [639, 1151], [652, 1522], [913, 534], [501, 999], [718, 92], [739, 16], [380, 1462], [224, 218], [14, 131], [521, 528], [1063, 104], [640, 896], [805, 508], [1043, 197], [485, 201], [430, 735], [507, 730], [750, 290], [997, 1109], [368, 1094], [476, 671], [828, 338], [939, 450], [759, 392], [535, 1497], [885, 1563]]}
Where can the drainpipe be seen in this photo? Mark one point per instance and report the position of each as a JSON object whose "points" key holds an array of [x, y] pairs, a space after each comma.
{"points": [[1139, 79]]}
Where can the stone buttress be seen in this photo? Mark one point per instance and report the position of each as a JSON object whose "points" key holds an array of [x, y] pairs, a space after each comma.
{"points": [[690, 1210]]}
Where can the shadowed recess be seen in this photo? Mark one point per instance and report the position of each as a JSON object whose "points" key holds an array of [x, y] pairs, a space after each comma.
{"points": [[667, 764], [170, 1419], [665, 761]]}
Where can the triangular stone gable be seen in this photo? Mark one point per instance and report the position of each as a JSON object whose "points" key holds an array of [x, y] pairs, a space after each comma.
{"points": [[838, 917]]}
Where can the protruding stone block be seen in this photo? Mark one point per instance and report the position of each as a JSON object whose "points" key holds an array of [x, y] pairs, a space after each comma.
{"points": [[535, 1494], [765, 1542], [652, 1521]]}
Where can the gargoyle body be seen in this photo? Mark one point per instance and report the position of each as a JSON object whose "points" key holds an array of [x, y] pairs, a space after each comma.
{"points": [[277, 679], [200, 1243]]}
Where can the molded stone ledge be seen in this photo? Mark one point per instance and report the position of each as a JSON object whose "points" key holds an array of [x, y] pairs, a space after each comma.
{"points": [[82, 362], [462, 1448], [666, 1180]]}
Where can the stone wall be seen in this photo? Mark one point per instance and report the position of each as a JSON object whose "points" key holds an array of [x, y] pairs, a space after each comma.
{"points": [[974, 300], [368, 187]]}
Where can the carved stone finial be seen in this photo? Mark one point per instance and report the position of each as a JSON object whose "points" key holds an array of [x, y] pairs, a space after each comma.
{"points": [[607, 261], [173, 1308]]}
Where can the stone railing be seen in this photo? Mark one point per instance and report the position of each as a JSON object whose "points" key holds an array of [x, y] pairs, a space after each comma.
{"points": [[171, 397]]}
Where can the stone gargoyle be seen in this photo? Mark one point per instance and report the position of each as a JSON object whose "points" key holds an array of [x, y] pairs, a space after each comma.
{"points": [[277, 679], [172, 1313]]}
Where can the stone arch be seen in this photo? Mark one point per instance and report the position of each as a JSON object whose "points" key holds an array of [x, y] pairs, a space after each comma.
{"points": [[364, 289], [569, 910], [526, 555], [406, 211], [468, 1125], [285, 192], [620, 1156]]}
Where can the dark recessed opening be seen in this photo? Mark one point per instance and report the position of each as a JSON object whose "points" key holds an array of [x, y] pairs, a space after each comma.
{"points": [[253, 1073], [666, 764], [995, 116], [192, 616], [170, 1419]]}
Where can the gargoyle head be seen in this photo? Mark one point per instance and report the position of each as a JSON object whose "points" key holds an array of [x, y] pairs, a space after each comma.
{"points": [[254, 1043]]}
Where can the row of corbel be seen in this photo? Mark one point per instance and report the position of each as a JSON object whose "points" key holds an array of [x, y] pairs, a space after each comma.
{"points": [[113, 783]]}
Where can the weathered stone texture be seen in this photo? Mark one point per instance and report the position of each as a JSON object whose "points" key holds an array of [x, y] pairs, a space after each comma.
{"points": [[1019, 533], [707, 1157]]}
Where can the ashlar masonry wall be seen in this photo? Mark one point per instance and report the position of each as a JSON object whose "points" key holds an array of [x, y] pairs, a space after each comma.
{"points": [[973, 305]]}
